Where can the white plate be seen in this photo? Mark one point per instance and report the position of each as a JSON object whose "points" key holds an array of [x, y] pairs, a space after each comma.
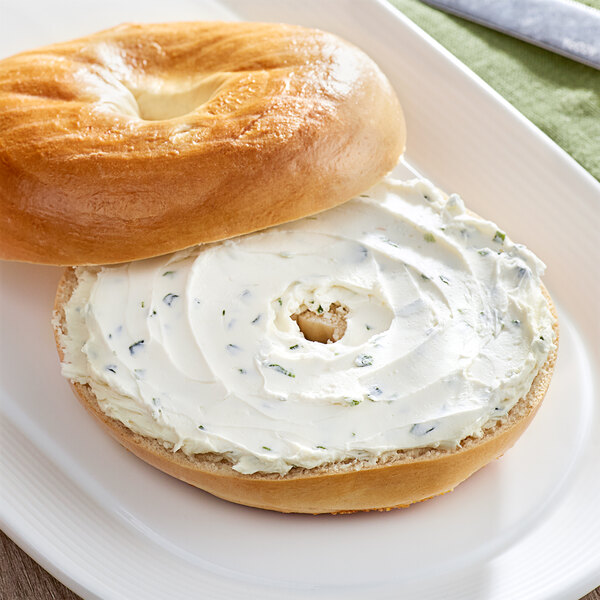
{"points": [[527, 526]]}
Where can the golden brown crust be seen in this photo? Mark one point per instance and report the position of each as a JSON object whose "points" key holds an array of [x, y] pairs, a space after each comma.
{"points": [[405, 478], [95, 169]]}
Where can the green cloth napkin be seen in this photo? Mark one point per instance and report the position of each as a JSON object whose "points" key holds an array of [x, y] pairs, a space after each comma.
{"points": [[561, 96]]}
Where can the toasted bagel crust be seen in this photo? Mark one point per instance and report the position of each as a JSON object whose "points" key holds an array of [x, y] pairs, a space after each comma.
{"points": [[145, 139], [406, 477]]}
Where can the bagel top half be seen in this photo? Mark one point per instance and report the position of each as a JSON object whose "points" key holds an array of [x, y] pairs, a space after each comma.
{"points": [[145, 139]]}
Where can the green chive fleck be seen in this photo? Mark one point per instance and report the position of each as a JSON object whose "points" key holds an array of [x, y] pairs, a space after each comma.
{"points": [[200, 426], [281, 370], [363, 360], [483, 252], [322, 447], [320, 309], [135, 347], [444, 280], [267, 448], [294, 346], [499, 237], [142, 304], [169, 298], [423, 276], [429, 237], [373, 392], [167, 273]]}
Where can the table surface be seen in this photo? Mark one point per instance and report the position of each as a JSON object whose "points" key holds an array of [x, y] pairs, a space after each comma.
{"points": [[21, 578]]}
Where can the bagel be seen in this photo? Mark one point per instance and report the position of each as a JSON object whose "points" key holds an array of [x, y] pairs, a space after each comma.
{"points": [[146, 139], [419, 342]]}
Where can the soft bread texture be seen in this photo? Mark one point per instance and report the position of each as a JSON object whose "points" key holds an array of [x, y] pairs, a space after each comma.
{"points": [[146, 139], [328, 326], [399, 480]]}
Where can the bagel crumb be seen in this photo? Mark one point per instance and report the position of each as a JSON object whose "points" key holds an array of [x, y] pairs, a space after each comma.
{"points": [[324, 326]]}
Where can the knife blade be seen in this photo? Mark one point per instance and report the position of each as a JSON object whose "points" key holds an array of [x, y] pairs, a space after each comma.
{"points": [[562, 26]]}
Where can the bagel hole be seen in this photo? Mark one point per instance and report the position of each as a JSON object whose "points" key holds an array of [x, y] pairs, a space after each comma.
{"points": [[163, 101], [324, 326]]}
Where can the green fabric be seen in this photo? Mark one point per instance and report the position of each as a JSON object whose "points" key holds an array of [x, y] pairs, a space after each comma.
{"points": [[561, 96]]}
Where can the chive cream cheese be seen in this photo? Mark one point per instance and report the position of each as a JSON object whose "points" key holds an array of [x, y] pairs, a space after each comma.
{"points": [[446, 328]]}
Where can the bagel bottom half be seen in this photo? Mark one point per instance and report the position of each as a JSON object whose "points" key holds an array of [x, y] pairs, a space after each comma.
{"points": [[404, 478]]}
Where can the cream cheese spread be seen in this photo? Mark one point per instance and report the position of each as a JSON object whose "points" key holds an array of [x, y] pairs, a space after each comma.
{"points": [[446, 328]]}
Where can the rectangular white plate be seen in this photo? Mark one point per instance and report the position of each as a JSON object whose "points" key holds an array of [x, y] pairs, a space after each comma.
{"points": [[109, 526]]}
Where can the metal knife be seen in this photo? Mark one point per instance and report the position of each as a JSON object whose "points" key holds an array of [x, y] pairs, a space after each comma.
{"points": [[562, 26]]}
